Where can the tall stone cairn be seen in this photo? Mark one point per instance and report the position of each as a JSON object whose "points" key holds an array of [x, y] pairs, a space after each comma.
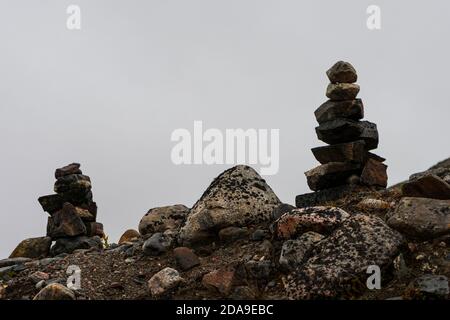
{"points": [[73, 212], [347, 158]]}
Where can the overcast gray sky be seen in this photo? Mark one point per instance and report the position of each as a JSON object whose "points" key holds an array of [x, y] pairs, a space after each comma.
{"points": [[110, 95]]}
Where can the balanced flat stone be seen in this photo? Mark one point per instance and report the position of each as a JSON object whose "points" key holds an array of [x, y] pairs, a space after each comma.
{"points": [[73, 168], [330, 175], [331, 110], [374, 174], [342, 152], [345, 130], [342, 71], [429, 186], [342, 91]]}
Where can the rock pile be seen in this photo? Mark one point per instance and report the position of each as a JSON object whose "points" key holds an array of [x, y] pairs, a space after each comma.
{"points": [[73, 212], [346, 160]]}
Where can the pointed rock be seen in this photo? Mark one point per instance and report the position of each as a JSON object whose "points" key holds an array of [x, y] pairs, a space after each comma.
{"points": [[65, 223], [374, 174], [332, 110], [51, 203], [238, 197], [73, 168]]}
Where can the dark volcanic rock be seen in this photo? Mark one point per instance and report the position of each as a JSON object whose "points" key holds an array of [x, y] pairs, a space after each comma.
{"points": [[280, 210], [94, 229], [157, 244], [231, 234], [342, 71], [72, 182], [339, 262], [332, 110], [65, 223], [322, 220], [68, 245], [73, 168], [319, 198], [185, 258], [331, 174], [51, 203], [342, 152], [13, 261], [421, 218], [342, 91], [429, 186], [238, 197], [345, 130], [32, 248], [374, 174]]}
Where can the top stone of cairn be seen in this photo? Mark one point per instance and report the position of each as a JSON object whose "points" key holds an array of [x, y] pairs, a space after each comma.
{"points": [[342, 72]]}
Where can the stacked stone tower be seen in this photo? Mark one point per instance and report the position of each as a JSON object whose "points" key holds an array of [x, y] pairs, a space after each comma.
{"points": [[73, 213], [347, 159]]}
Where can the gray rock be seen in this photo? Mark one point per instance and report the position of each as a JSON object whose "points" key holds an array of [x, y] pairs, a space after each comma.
{"points": [[294, 252], [322, 220], [332, 110], [322, 197], [157, 244], [13, 261], [68, 245], [259, 235], [163, 218], [342, 91], [421, 218], [238, 197], [164, 281], [32, 248], [259, 269], [331, 175], [342, 71], [341, 260], [346, 130], [427, 186], [432, 286], [280, 210], [47, 261]]}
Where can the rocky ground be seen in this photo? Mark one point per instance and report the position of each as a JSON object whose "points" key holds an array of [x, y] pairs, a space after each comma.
{"points": [[239, 242]]}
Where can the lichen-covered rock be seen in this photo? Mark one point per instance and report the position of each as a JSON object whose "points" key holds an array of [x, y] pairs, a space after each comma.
{"points": [[164, 218], [164, 281], [294, 252], [421, 218], [55, 291], [429, 286], [427, 186], [342, 71], [238, 197], [339, 262], [33, 248], [322, 220]]}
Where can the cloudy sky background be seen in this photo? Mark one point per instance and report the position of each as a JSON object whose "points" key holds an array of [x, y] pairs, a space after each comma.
{"points": [[110, 95]]}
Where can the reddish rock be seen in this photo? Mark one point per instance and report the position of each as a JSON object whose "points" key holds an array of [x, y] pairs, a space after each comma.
{"points": [[342, 152], [322, 220], [73, 168], [374, 174], [129, 235], [430, 186], [185, 258], [220, 280]]}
